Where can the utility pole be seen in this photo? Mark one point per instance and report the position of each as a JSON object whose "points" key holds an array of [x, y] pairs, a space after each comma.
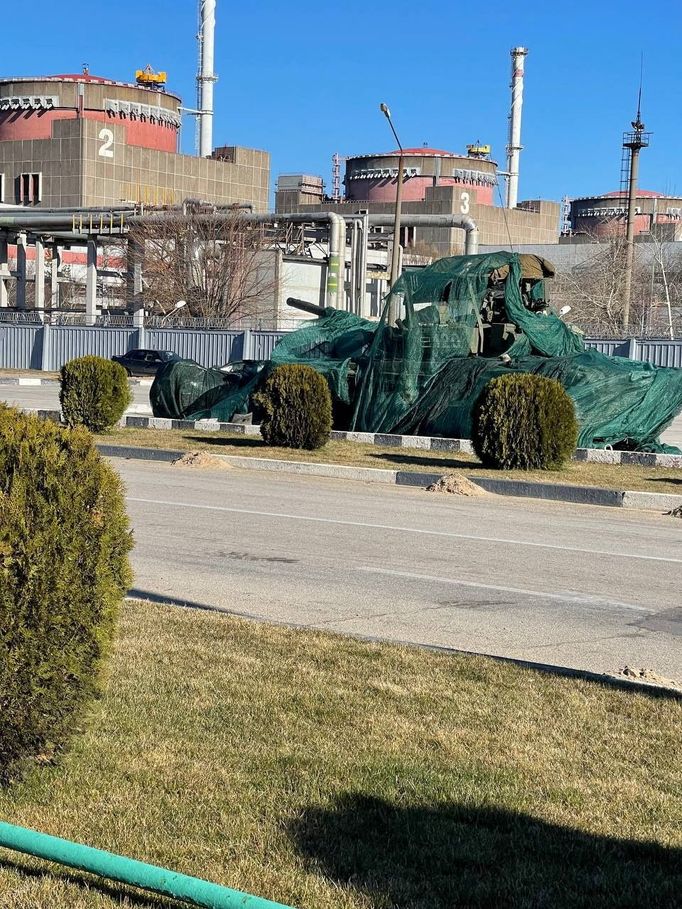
{"points": [[395, 255], [635, 142]]}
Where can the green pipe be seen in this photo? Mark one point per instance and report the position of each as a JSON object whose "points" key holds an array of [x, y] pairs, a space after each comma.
{"points": [[128, 871]]}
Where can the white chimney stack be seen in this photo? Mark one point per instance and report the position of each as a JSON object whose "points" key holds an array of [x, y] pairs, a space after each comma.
{"points": [[514, 147], [206, 77]]}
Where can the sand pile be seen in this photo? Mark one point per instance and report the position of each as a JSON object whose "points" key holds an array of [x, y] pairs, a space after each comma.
{"points": [[648, 676], [201, 460], [456, 484]]}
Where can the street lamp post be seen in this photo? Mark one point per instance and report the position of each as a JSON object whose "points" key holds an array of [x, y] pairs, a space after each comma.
{"points": [[395, 257]]}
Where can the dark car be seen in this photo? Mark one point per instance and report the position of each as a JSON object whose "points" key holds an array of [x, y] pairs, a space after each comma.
{"points": [[145, 362]]}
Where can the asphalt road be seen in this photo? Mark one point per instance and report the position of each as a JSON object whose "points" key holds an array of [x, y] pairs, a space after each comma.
{"points": [[46, 397], [586, 587]]}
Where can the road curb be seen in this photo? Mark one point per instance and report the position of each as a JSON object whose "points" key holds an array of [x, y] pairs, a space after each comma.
{"points": [[557, 492], [420, 443], [141, 454]]}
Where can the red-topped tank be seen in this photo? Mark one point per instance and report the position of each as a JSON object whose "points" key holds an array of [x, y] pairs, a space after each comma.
{"points": [[29, 107], [372, 178]]}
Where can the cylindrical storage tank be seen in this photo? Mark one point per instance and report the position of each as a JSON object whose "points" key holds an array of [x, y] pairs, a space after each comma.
{"points": [[29, 107], [606, 215], [373, 178]]}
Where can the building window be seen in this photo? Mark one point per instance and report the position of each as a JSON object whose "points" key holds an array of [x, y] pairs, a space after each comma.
{"points": [[29, 189]]}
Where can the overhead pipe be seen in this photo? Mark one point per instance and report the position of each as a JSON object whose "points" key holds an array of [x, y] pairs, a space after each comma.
{"points": [[114, 867], [335, 290], [463, 222]]}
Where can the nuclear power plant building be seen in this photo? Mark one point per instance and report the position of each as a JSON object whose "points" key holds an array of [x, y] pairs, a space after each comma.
{"points": [[435, 182], [80, 140]]}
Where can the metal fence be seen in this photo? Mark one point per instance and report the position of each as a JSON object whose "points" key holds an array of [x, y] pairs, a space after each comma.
{"points": [[660, 352], [31, 345], [48, 347]]}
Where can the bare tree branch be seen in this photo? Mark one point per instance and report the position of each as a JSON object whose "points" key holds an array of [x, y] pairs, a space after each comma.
{"points": [[222, 265]]}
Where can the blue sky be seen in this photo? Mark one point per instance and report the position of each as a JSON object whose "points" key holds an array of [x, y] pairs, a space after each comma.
{"points": [[305, 80]]}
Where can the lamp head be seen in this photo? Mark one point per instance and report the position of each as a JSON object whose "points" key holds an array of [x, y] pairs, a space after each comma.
{"points": [[384, 110]]}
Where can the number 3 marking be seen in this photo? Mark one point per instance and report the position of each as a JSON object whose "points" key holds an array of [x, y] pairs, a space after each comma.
{"points": [[105, 149], [465, 201]]}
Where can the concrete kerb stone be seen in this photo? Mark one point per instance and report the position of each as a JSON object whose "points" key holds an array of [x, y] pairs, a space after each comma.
{"points": [[558, 492], [422, 443], [140, 454], [652, 501]]}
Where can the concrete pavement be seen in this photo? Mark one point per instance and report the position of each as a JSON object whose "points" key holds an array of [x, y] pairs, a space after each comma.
{"points": [[588, 588], [46, 397]]}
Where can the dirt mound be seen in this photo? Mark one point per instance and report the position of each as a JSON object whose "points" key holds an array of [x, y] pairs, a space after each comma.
{"points": [[201, 460], [456, 485], [648, 676]]}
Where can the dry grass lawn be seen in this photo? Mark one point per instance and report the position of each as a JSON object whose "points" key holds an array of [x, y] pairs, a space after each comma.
{"points": [[354, 454], [327, 773]]}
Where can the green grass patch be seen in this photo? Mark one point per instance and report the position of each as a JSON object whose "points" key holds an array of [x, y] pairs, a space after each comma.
{"points": [[355, 454], [328, 773]]}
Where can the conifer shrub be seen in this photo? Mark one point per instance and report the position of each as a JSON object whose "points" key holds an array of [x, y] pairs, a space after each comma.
{"points": [[296, 407], [94, 393], [64, 543], [524, 421]]}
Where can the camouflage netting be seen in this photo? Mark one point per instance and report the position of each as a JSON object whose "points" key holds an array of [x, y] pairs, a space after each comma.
{"points": [[466, 320]]}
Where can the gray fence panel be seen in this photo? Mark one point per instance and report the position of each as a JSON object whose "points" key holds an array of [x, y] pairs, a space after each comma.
{"points": [[21, 346], [68, 342], [208, 348], [609, 346], [660, 353], [263, 343]]}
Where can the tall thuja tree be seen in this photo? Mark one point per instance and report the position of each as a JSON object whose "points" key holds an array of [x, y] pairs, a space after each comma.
{"points": [[220, 263]]}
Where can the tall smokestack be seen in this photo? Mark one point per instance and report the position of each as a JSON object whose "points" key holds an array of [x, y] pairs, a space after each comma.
{"points": [[206, 77], [514, 148]]}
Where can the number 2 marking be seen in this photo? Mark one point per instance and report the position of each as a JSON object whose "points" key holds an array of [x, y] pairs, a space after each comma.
{"points": [[105, 149]]}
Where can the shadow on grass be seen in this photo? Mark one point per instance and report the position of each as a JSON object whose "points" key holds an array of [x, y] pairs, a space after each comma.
{"points": [[437, 463], [235, 441], [674, 481], [454, 855], [120, 894]]}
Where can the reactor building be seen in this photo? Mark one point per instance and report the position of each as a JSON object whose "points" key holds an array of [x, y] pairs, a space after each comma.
{"points": [[601, 217], [79, 140], [435, 182]]}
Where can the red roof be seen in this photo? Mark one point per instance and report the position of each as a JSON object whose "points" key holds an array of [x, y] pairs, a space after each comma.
{"points": [[426, 152], [80, 77], [619, 194]]}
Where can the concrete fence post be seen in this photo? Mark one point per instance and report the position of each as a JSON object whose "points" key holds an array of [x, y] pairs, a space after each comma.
{"points": [[632, 349], [46, 346], [4, 272], [248, 347], [21, 271], [138, 323]]}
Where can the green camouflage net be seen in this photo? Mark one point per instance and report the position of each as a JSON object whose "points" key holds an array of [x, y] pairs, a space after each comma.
{"points": [[467, 319]]}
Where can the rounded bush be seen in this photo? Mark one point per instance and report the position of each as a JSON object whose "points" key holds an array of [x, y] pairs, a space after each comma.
{"points": [[524, 421], [296, 406], [64, 543], [94, 393]]}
